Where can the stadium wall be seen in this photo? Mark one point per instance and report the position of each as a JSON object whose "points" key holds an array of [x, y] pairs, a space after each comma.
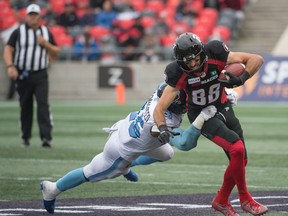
{"points": [[80, 81]]}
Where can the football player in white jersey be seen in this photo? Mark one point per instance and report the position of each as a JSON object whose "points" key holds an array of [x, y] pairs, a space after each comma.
{"points": [[128, 139]]}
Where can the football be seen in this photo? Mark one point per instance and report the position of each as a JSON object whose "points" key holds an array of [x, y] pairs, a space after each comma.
{"points": [[236, 68]]}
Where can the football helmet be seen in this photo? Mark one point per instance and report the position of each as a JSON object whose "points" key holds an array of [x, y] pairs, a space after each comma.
{"points": [[178, 106], [187, 47]]}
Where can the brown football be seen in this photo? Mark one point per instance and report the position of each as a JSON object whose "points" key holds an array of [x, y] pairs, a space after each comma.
{"points": [[236, 68]]}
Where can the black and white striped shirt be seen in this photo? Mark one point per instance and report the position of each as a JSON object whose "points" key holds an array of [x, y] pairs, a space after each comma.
{"points": [[28, 54]]}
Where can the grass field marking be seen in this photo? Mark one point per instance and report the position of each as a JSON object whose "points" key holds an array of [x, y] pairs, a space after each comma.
{"points": [[108, 207], [40, 210], [191, 206], [278, 205], [272, 197], [25, 178]]}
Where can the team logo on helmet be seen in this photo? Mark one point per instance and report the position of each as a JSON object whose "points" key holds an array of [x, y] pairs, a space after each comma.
{"points": [[225, 47], [196, 38]]}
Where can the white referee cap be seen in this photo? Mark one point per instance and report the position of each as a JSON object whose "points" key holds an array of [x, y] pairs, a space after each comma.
{"points": [[33, 8]]}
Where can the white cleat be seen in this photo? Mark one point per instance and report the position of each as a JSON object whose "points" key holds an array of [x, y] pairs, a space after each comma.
{"points": [[49, 192]]}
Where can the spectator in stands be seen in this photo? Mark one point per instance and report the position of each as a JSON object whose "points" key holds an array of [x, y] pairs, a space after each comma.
{"points": [[18, 4], [109, 52], [216, 4], [96, 4], [160, 27], [107, 15], [124, 6], [41, 3], [237, 7], [185, 11], [50, 16], [88, 18], [68, 18], [85, 47], [128, 40], [150, 48]]}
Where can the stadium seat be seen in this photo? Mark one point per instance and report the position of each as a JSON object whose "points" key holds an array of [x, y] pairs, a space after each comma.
{"points": [[4, 4], [223, 33], [58, 6], [81, 3], [98, 32], [7, 22], [202, 32], [57, 30], [168, 40], [80, 12], [21, 14], [5, 12], [210, 13], [147, 21], [124, 23], [155, 5], [197, 6], [180, 27], [138, 5], [64, 40], [207, 22], [172, 3]]}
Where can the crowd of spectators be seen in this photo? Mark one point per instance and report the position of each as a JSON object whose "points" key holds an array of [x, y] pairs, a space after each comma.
{"points": [[127, 30]]}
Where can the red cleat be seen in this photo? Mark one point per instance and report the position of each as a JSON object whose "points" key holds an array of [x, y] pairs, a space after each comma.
{"points": [[254, 208], [225, 209]]}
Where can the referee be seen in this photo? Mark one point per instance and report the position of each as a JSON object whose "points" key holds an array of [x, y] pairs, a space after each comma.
{"points": [[26, 55]]}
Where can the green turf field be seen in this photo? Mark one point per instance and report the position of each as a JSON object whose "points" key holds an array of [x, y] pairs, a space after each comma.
{"points": [[78, 137]]}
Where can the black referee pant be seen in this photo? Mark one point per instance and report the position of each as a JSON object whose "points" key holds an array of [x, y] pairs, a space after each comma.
{"points": [[29, 85]]}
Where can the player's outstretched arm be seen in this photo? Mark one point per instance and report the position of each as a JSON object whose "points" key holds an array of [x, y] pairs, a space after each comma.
{"points": [[188, 138]]}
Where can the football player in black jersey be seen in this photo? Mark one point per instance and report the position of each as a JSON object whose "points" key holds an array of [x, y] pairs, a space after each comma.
{"points": [[196, 69]]}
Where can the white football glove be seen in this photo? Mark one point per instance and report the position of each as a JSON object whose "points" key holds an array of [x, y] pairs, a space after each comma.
{"points": [[232, 96], [208, 112], [205, 114]]}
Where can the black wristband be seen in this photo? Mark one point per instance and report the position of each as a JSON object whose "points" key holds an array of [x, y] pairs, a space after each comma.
{"points": [[244, 77], [162, 128]]}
